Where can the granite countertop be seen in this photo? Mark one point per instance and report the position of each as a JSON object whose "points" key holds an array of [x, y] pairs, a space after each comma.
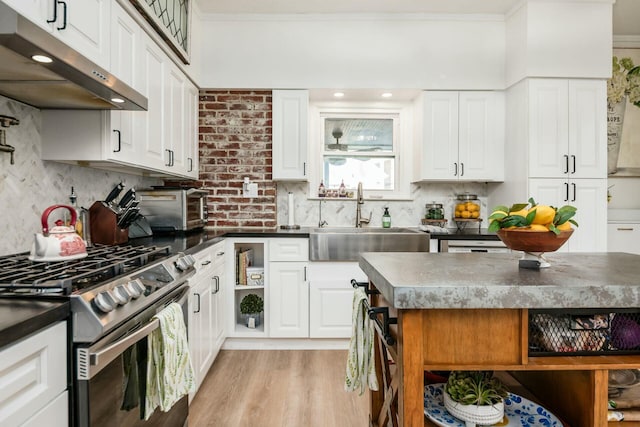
{"points": [[481, 280], [20, 317], [199, 240]]}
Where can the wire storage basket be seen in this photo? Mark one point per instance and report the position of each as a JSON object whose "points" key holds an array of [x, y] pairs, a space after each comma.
{"points": [[584, 332]]}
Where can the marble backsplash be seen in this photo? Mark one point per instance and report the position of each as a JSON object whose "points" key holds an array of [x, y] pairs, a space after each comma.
{"points": [[30, 185], [341, 213]]}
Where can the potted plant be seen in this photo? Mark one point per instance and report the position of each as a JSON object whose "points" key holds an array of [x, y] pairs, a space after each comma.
{"points": [[251, 306], [475, 397]]}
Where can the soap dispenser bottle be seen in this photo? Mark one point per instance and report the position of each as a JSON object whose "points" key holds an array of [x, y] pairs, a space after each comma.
{"points": [[386, 218]]}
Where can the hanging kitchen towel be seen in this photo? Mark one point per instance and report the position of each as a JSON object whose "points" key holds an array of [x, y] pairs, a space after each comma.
{"points": [[169, 371], [361, 371], [130, 385]]}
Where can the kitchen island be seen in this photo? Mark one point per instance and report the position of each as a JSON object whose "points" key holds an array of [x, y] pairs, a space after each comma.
{"points": [[472, 311]]}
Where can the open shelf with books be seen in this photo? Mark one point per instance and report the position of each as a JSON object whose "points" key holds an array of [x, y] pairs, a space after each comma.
{"points": [[249, 288]]}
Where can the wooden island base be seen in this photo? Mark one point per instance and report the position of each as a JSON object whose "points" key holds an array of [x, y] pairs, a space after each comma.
{"points": [[574, 388]]}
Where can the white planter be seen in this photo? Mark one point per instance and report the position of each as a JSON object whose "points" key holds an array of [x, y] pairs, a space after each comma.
{"points": [[474, 415]]}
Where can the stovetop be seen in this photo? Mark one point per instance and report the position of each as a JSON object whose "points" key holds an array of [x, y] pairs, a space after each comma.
{"points": [[19, 275]]}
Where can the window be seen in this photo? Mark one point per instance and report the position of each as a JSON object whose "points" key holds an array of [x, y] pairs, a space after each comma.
{"points": [[359, 149], [362, 146]]}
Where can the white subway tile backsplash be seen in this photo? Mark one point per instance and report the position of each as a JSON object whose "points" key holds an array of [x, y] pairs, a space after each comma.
{"points": [[341, 213]]}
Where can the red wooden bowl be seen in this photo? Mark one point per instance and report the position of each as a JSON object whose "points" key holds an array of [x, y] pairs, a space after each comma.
{"points": [[533, 241]]}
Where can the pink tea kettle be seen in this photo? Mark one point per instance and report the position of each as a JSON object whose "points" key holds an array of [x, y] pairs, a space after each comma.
{"points": [[60, 243]]}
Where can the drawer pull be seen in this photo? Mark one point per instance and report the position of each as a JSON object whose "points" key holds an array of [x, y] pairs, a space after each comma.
{"points": [[625, 228]]}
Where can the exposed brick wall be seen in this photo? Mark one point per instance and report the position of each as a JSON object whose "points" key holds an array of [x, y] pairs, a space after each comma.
{"points": [[235, 141]]}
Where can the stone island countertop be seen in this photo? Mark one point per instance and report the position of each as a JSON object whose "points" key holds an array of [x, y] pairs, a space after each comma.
{"points": [[481, 280]]}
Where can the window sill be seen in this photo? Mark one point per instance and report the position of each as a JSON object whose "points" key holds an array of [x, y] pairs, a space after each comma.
{"points": [[366, 199]]}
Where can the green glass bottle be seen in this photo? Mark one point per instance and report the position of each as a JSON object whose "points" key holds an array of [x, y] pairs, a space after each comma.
{"points": [[386, 218]]}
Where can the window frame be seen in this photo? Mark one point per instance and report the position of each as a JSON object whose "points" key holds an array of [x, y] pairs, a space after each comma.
{"points": [[401, 114]]}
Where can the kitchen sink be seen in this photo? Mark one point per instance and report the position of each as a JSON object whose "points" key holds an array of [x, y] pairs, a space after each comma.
{"points": [[347, 243]]}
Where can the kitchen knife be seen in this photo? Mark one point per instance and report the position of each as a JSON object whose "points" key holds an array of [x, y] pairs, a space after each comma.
{"points": [[126, 219], [128, 196], [114, 193], [132, 204], [132, 215]]}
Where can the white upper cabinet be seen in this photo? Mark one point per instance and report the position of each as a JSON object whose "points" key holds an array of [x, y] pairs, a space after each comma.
{"points": [[290, 139], [126, 38], [191, 118], [462, 136], [81, 24], [567, 133]]}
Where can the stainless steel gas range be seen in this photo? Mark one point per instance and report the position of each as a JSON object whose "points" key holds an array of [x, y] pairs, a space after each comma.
{"points": [[115, 291]]}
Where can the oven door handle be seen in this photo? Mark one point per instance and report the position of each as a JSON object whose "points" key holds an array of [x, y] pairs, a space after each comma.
{"points": [[99, 358]]}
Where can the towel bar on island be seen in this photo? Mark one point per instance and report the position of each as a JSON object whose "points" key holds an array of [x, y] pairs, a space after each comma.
{"points": [[382, 327]]}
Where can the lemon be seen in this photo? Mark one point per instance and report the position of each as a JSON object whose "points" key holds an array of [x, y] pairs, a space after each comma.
{"points": [[466, 214], [565, 226], [544, 214], [475, 214], [521, 212]]}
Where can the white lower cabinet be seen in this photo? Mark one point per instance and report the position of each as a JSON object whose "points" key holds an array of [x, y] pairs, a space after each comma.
{"points": [[200, 333], [55, 414], [623, 237], [33, 380], [206, 311], [289, 297], [219, 291], [288, 288], [331, 297]]}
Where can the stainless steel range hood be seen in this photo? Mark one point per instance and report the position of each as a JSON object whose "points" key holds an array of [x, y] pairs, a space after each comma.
{"points": [[70, 81]]}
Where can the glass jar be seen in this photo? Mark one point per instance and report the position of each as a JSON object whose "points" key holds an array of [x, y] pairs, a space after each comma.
{"points": [[467, 207], [434, 211]]}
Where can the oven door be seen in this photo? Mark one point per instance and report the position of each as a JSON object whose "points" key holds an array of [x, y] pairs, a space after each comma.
{"points": [[111, 374]]}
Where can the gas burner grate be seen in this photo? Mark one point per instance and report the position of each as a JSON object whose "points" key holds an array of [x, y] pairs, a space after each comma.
{"points": [[19, 274]]}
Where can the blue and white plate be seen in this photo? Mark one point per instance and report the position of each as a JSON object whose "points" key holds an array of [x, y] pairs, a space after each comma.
{"points": [[519, 411]]}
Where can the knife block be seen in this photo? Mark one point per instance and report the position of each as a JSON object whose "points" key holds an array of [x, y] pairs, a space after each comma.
{"points": [[103, 223]]}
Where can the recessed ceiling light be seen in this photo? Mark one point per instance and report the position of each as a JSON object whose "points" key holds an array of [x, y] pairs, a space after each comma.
{"points": [[42, 58], [117, 100], [387, 95], [338, 94]]}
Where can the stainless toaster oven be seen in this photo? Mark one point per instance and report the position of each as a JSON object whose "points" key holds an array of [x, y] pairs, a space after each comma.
{"points": [[174, 209]]}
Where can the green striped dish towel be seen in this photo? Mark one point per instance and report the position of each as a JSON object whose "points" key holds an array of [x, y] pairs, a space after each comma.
{"points": [[169, 370], [361, 371]]}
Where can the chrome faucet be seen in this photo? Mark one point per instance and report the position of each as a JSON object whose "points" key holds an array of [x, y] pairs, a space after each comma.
{"points": [[321, 222], [359, 203]]}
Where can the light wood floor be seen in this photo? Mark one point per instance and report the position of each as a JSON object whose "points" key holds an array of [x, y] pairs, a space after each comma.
{"points": [[278, 388]]}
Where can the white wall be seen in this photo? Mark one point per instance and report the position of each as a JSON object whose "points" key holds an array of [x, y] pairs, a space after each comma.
{"points": [[347, 51], [31, 185]]}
